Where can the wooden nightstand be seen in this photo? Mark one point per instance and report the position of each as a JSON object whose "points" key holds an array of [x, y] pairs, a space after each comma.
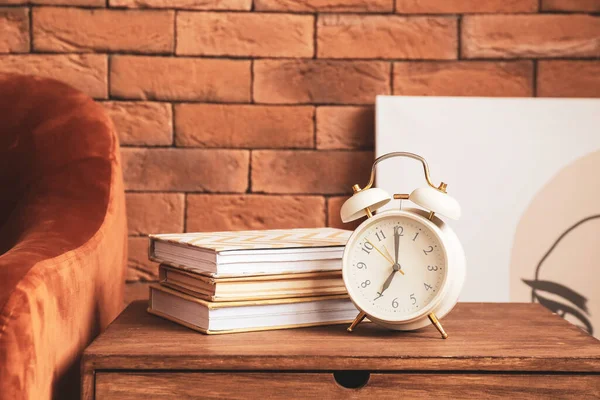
{"points": [[505, 350]]}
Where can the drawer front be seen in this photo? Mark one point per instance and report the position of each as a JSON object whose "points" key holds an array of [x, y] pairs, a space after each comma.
{"points": [[274, 385]]}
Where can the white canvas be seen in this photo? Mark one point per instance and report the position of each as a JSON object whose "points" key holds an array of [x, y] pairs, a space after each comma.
{"points": [[495, 154]]}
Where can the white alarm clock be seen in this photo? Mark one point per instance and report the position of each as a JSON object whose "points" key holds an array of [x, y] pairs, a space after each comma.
{"points": [[403, 268]]}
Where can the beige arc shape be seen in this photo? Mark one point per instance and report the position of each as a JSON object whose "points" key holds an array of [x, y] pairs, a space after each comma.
{"points": [[562, 224]]}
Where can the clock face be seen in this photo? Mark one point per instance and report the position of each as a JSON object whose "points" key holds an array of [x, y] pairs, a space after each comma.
{"points": [[393, 290]]}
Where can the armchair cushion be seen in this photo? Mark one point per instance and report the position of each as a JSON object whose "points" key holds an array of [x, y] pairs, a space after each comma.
{"points": [[62, 234]]}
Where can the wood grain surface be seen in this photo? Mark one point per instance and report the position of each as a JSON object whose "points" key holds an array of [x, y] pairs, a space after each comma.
{"points": [[483, 337], [245, 385]]}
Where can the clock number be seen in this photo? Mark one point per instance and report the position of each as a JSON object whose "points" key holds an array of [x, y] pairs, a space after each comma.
{"points": [[365, 284], [427, 287], [415, 238], [379, 294], [361, 265], [413, 298], [432, 268], [398, 230], [395, 303], [367, 247], [429, 250], [382, 235]]}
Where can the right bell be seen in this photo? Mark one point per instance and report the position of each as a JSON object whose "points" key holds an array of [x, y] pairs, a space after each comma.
{"points": [[437, 201]]}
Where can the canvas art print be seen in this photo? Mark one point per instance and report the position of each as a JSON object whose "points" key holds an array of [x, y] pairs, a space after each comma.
{"points": [[526, 174], [564, 254]]}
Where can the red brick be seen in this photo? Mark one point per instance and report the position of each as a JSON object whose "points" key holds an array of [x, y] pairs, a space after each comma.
{"points": [[244, 5], [142, 123], [323, 172], [185, 170], [334, 204], [568, 79], [320, 81], [325, 5], [86, 72], [255, 126], [391, 36], [571, 5], [245, 34], [14, 35], [464, 78], [239, 212], [149, 213], [86, 3], [530, 36], [84, 30], [179, 78], [345, 127], [139, 268], [465, 6]]}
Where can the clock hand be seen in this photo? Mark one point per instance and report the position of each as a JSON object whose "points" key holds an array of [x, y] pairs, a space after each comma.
{"points": [[383, 255], [396, 242], [388, 281], [389, 256], [387, 252], [379, 251]]}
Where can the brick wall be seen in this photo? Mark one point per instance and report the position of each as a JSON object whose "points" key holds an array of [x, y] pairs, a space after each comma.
{"points": [[237, 114]]}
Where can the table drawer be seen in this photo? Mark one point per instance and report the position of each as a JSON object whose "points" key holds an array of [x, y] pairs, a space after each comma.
{"points": [[275, 385]]}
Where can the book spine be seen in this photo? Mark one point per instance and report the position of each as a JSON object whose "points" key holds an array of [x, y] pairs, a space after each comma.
{"points": [[151, 249], [162, 273]]}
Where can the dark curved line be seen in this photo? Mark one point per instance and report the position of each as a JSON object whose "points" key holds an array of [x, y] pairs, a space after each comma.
{"points": [[558, 307], [560, 238]]}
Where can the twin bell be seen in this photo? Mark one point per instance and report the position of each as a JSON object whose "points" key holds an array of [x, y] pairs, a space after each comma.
{"points": [[364, 202]]}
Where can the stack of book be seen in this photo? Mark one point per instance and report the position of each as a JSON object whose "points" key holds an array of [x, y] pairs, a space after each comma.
{"points": [[224, 282]]}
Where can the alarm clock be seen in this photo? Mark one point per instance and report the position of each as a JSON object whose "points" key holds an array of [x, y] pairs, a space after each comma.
{"points": [[403, 268]]}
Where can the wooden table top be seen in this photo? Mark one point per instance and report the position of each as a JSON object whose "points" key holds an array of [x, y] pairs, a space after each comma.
{"points": [[483, 337]]}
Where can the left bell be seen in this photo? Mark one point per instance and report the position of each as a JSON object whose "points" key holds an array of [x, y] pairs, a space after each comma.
{"points": [[355, 207]]}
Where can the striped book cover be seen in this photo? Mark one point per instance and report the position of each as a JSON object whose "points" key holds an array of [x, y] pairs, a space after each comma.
{"points": [[255, 252]]}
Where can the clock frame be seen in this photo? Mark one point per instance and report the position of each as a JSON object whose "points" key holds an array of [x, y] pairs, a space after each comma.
{"points": [[447, 296], [433, 200]]}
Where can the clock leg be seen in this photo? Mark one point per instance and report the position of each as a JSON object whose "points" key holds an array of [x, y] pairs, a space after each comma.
{"points": [[438, 325], [361, 315]]}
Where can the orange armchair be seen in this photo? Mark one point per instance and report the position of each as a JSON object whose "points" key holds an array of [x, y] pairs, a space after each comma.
{"points": [[62, 234]]}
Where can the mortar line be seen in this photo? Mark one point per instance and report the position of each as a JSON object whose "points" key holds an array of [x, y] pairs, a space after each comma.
{"points": [[185, 210], [252, 101], [392, 78], [175, 32], [108, 69], [458, 37], [535, 78], [316, 17], [314, 117], [31, 28], [326, 210], [249, 190]]}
